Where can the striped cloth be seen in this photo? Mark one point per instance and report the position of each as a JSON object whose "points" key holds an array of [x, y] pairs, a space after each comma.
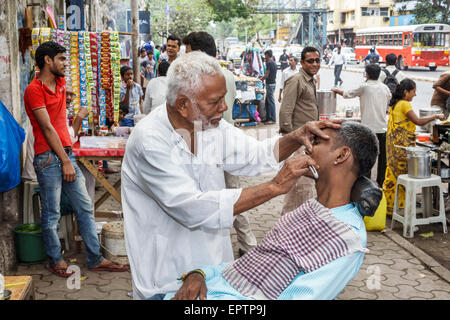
{"points": [[303, 240]]}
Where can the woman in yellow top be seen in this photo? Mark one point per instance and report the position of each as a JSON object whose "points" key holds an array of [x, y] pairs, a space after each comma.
{"points": [[401, 132]]}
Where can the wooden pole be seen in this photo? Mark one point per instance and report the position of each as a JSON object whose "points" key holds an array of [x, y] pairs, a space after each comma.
{"points": [[135, 39]]}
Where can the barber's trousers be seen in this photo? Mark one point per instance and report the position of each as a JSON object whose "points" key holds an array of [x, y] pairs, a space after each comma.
{"points": [[245, 237]]}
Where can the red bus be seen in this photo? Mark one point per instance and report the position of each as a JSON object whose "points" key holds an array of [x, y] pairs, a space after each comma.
{"points": [[422, 45]]}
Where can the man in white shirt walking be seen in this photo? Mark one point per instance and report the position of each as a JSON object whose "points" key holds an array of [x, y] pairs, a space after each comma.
{"points": [[339, 61], [177, 211], [374, 97], [289, 72]]}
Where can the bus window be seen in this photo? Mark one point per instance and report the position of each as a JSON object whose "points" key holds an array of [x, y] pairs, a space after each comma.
{"points": [[395, 39], [441, 39], [423, 39], [390, 39], [385, 39], [405, 40]]}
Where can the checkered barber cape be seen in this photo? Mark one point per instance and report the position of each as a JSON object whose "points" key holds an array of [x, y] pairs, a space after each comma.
{"points": [[303, 240]]}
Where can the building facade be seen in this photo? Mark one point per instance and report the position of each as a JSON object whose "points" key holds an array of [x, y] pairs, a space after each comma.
{"points": [[346, 16]]}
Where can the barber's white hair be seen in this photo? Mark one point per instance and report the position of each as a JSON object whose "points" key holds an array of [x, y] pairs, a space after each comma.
{"points": [[185, 75]]}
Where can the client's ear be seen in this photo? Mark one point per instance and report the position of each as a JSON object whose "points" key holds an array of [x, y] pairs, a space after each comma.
{"points": [[343, 154]]}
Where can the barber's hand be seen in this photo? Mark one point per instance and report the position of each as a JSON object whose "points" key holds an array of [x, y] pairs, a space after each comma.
{"points": [[306, 133], [293, 169], [193, 286], [440, 117], [68, 171]]}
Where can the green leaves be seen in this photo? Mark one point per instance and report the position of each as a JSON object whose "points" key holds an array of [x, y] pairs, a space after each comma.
{"points": [[430, 11], [226, 10]]}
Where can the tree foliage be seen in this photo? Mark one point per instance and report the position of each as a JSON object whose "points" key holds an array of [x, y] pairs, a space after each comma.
{"points": [[185, 16], [226, 10], [430, 11]]}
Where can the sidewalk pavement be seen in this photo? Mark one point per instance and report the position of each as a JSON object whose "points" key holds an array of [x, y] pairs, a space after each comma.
{"points": [[394, 269]]}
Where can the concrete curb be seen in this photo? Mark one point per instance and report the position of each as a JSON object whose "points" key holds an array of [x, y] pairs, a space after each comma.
{"points": [[432, 264], [425, 79]]}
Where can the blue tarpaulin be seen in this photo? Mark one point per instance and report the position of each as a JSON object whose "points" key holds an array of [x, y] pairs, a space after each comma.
{"points": [[11, 138]]}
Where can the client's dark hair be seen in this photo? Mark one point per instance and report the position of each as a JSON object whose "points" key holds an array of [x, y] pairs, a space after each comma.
{"points": [[362, 141]]}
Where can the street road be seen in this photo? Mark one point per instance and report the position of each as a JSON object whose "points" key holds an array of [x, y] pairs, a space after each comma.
{"points": [[353, 76], [352, 80]]}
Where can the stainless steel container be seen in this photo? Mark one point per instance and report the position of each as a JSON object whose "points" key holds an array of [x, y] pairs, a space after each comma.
{"points": [[349, 113], [419, 162], [426, 112], [326, 100]]}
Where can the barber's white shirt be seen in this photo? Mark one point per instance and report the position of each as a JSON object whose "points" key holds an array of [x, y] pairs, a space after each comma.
{"points": [[177, 212], [374, 98]]}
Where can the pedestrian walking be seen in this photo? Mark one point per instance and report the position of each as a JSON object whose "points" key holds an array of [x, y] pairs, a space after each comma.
{"points": [[339, 62]]}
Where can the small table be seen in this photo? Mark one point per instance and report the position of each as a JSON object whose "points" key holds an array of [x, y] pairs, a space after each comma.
{"points": [[84, 158], [22, 287]]}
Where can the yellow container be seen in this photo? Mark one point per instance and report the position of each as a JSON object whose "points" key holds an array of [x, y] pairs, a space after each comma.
{"points": [[378, 221]]}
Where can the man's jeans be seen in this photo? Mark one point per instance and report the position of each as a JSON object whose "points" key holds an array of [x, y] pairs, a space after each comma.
{"points": [[337, 73], [48, 169], [270, 103]]}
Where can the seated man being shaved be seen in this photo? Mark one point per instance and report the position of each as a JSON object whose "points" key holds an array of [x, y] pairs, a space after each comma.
{"points": [[313, 251]]}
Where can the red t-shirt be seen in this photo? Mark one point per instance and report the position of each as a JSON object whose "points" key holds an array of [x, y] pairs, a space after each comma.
{"points": [[38, 95]]}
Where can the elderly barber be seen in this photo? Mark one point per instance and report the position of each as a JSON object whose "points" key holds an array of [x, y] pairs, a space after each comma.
{"points": [[177, 211]]}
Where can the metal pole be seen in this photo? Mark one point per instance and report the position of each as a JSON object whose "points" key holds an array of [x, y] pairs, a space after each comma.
{"points": [[135, 38], [339, 30]]}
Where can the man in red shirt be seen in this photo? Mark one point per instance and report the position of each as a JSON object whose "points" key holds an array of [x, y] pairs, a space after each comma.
{"points": [[54, 162]]}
